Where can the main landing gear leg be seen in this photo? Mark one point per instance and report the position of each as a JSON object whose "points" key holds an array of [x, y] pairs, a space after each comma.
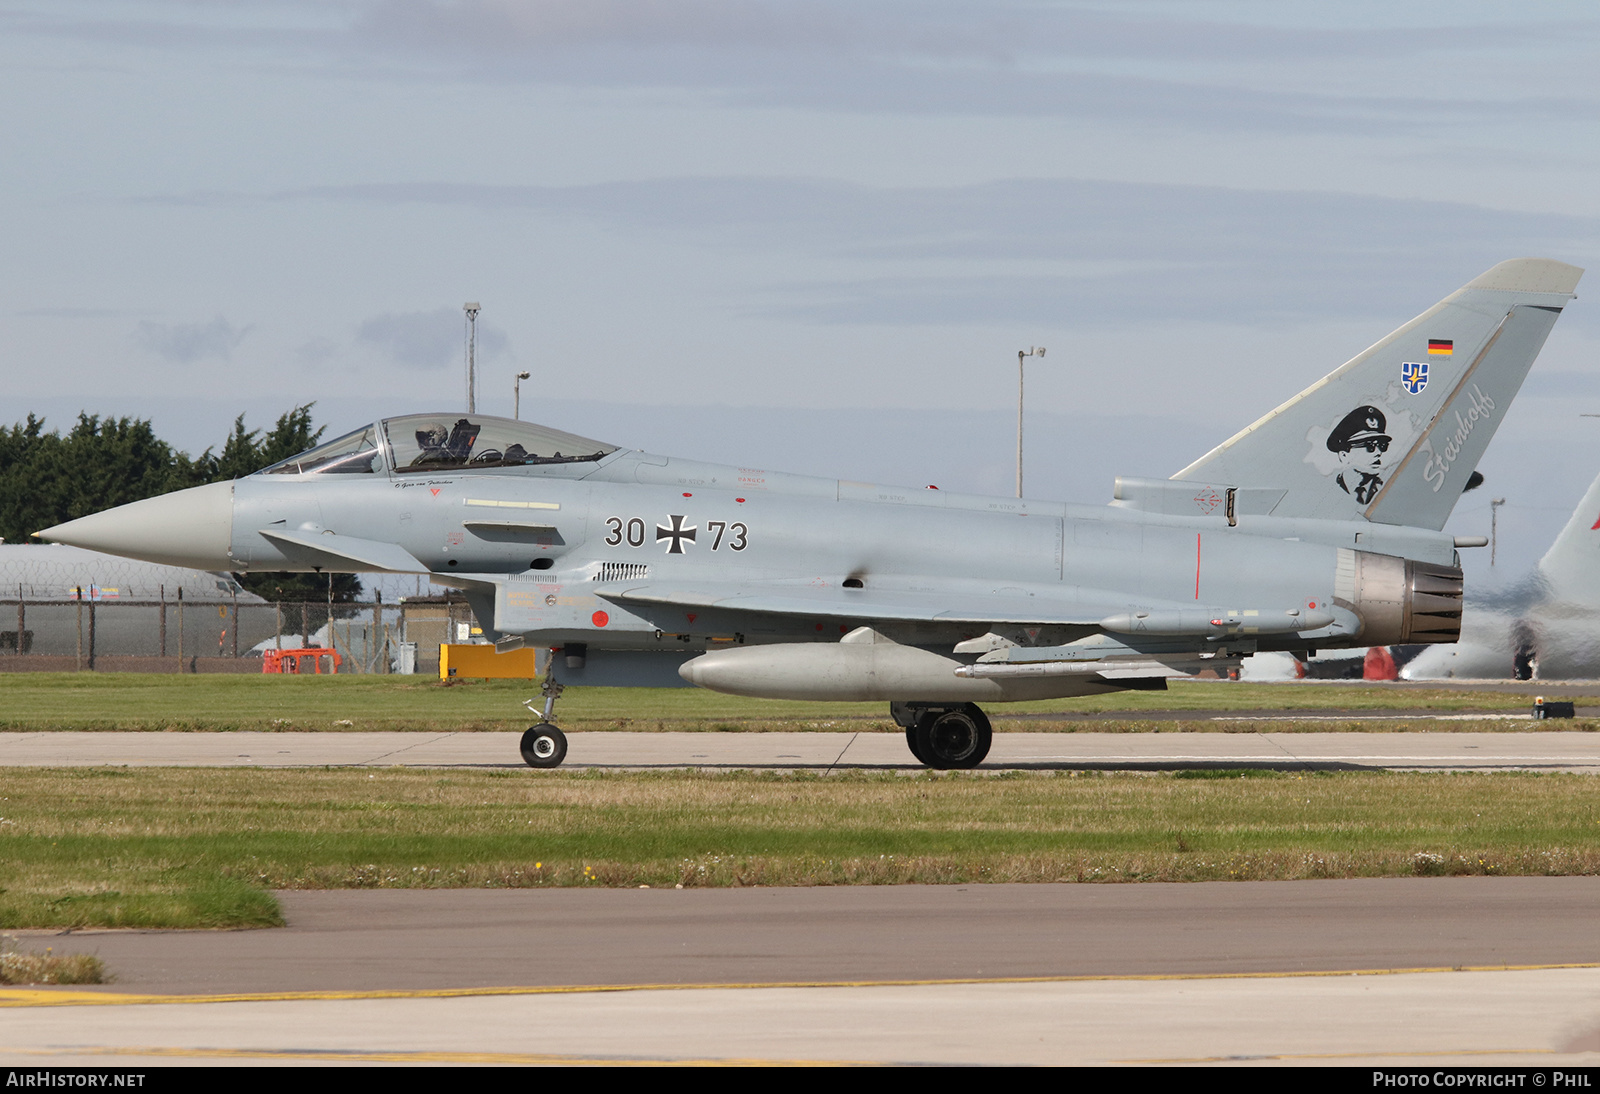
{"points": [[544, 745], [943, 737]]}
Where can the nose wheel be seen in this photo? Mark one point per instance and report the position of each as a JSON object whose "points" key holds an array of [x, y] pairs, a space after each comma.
{"points": [[544, 745]]}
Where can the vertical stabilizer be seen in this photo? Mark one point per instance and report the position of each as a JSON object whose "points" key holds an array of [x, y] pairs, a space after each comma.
{"points": [[1570, 569], [1393, 434]]}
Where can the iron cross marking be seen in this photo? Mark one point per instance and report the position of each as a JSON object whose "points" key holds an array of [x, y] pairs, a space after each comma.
{"points": [[677, 533]]}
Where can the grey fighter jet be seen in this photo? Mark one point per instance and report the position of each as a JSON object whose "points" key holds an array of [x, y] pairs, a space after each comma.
{"points": [[1544, 627], [1317, 526]]}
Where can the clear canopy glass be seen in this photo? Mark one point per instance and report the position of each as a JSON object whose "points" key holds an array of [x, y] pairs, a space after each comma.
{"points": [[352, 454], [437, 442], [442, 442]]}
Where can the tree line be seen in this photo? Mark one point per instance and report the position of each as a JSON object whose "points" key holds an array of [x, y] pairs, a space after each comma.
{"points": [[49, 478]]}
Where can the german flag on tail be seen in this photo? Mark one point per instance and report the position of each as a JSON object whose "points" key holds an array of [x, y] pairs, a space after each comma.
{"points": [[1442, 347]]}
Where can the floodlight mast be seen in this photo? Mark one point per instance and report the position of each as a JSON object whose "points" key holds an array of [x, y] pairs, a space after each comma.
{"points": [[516, 396], [1031, 351], [472, 308]]}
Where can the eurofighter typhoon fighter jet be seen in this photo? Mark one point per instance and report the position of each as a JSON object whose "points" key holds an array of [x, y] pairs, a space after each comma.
{"points": [[1545, 627], [1317, 526]]}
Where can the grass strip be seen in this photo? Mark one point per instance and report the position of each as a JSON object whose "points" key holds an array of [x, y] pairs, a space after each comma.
{"points": [[203, 847], [31, 702], [20, 967]]}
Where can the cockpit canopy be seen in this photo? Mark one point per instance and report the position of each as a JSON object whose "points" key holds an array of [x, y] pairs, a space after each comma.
{"points": [[352, 454], [442, 442], [432, 442]]}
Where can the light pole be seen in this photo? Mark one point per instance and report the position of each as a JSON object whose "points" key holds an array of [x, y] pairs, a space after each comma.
{"points": [[516, 396], [1031, 351], [472, 308], [1494, 525]]}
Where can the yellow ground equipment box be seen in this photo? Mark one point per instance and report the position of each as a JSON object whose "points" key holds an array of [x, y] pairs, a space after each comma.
{"points": [[480, 661]]}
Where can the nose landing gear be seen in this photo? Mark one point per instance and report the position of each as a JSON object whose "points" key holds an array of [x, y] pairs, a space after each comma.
{"points": [[544, 745]]}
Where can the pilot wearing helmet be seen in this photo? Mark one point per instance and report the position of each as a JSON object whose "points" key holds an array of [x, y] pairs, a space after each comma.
{"points": [[433, 441], [1360, 442]]}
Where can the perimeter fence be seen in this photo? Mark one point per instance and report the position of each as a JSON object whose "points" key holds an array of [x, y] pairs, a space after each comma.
{"points": [[222, 635]]}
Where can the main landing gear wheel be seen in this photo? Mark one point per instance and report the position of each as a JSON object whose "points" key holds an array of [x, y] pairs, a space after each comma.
{"points": [[952, 739], [544, 746], [911, 743]]}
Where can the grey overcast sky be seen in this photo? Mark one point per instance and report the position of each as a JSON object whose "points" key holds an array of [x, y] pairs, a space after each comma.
{"points": [[807, 235]]}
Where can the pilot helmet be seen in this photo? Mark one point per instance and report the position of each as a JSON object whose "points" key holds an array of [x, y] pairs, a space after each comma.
{"points": [[1364, 423]]}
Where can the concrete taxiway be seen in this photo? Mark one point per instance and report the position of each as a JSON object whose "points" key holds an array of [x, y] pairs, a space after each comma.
{"points": [[1420, 971], [1514, 1019], [820, 751]]}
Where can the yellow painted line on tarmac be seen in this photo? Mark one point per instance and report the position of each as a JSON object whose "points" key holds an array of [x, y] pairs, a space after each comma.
{"points": [[1376, 1054], [44, 997]]}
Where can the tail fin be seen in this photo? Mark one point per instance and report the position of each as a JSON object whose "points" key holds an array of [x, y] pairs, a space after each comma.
{"points": [[1393, 434], [1570, 569]]}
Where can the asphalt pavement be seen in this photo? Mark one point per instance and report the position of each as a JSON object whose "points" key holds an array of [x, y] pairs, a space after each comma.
{"points": [[821, 751]]}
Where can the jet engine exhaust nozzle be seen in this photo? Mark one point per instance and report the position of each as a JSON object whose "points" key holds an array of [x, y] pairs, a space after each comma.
{"points": [[1399, 600]]}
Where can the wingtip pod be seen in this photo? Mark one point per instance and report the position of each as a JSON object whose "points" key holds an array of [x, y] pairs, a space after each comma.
{"points": [[1529, 275]]}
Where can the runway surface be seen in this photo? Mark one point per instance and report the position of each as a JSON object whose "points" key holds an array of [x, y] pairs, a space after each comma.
{"points": [[1223, 972], [818, 751]]}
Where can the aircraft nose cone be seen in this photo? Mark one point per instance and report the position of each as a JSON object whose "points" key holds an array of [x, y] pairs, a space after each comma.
{"points": [[191, 527]]}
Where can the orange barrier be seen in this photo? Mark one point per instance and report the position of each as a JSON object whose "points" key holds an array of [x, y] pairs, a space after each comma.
{"points": [[293, 661]]}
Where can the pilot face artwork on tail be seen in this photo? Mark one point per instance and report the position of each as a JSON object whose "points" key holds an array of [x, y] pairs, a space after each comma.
{"points": [[1360, 443], [1361, 449]]}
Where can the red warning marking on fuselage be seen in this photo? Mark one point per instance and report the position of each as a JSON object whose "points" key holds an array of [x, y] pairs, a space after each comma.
{"points": [[691, 616], [1595, 525]]}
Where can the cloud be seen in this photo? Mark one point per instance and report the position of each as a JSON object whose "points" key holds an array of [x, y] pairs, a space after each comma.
{"points": [[318, 351], [1006, 59], [429, 339], [1090, 251], [486, 29], [186, 343], [68, 313], [991, 30], [1013, 58], [1054, 219]]}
